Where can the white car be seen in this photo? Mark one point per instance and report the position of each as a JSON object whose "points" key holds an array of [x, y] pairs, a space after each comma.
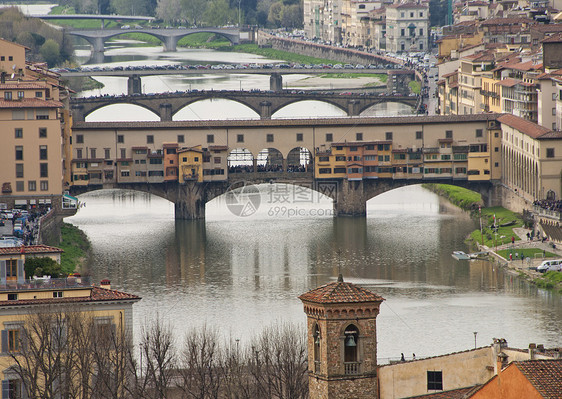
{"points": [[550, 265]]}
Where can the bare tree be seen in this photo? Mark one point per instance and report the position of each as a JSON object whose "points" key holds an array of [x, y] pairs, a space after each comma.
{"points": [[158, 349], [200, 365]]}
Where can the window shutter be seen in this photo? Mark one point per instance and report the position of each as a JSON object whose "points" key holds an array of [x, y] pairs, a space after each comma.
{"points": [[4, 342], [21, 273], [5, 385], [2, 272]]}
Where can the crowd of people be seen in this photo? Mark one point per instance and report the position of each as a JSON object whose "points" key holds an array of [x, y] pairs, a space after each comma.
{"points": [[266, 169], [551, 205]]}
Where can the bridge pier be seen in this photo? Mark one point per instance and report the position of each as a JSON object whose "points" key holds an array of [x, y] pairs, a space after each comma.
{"points": [[165, 112], [351, 199], [98, 43], [190, 201], [265, 110], [134, 85], [353, 107], [170, 44], [78, 113], [276, 82]]}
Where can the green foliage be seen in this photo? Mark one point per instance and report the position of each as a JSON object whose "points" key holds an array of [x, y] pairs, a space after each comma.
{"points": [[549, 281], [41, 38], [415, 86], [42, 267], [527, 252], [50, 51], [461, 197], [278, 54], [286, 14], [76, 247], [504, 233]]}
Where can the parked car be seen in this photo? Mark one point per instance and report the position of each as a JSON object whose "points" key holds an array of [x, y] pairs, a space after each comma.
{"points": [[550, 265]]}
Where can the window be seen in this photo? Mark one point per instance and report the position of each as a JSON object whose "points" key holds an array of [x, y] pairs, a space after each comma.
{"points": [[79, 153], [149, 139], [181, 138], [79, 139], [421, 31], [411, 15], [388, 135], [57, 294], [478, 132], [19, 153], [43, 152], [419, 135], [32, 185], [19, 132], [329, 137], [496, 149], [550, 152], [350, 356], [11, 388], [42, 132], [359, 136], [7, 95], [324, 171], [123, 152], [107, 153], [19, 186], [217, 159], [269, 138], [239, 138], [44, 170], [448, 134], [38, 94], [19, 171], [553, 111], [44, 185], [299, 136], [435, 380], [120, 138], [21, 95], [402, 32], [93, 153], [210, 138]]}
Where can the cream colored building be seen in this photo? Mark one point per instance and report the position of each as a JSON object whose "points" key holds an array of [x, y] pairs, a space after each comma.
{"points": [[31, 157], [323, 20], [407, 27], [546, 101]]}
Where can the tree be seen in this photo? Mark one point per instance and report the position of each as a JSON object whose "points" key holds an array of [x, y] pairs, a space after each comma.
{"points": [[292, 16], [42, 266], [169, 10], [275, 14], [194, 10], [50, 51], [218, 13]]}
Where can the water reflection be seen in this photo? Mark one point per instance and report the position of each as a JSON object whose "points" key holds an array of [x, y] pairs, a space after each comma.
{"points": [[234, 272]]}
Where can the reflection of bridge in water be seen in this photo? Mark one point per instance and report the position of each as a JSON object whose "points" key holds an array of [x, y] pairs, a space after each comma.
{"points": [[264, 104]]}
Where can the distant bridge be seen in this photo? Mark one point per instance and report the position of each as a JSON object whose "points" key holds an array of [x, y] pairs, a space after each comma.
{"points": [[169, 37], [265, 104], [102, 17]]}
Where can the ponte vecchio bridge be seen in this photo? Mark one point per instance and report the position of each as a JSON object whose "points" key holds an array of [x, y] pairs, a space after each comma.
{"points": [[348, 159]]}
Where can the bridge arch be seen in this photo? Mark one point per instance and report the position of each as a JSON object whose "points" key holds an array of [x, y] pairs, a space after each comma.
{"points": [[123, 111], [270, 160], [240, 160], [299, 159], [230, 38], [277, 112], [374, 107], [237, 109]]}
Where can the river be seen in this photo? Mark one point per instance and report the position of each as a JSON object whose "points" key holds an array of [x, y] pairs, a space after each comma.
{"points": [[241, 274]]}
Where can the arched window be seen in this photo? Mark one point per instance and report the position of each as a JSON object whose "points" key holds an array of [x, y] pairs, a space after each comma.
{"points": [[316, 336], [350, 356]]}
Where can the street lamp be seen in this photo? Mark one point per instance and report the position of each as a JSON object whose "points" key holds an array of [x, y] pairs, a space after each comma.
{"points": [[475, 334], [239, 14]]}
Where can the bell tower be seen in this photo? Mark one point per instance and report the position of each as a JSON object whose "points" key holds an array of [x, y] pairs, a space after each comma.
{"points": [[342, 341]]}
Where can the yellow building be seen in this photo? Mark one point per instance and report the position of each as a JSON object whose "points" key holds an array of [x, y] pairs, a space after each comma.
{"points": [[190, 164], [100, 311]]}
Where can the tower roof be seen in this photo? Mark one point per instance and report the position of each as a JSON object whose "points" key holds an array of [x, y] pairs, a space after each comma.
{"points": [[340, 292]]}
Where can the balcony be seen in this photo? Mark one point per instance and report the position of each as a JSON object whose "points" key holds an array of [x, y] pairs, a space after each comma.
{"points": [[352, 368], [45, 284]]}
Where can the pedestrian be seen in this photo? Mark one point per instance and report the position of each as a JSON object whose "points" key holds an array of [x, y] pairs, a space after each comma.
{"points": [[402, 359], [512, 240], [414, 356], [528, 236], [522, 257], [510, 257]]}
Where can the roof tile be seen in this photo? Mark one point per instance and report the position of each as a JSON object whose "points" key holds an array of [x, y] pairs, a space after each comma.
{"points": [[340, 292]]}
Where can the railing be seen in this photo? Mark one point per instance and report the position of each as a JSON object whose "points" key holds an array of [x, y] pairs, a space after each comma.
{"points": [[45, 284], [351, 368], [552, 214]]}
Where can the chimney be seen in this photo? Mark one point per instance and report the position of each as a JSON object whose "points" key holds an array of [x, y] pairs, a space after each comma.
{"points": [[501, 362], [105, 283], [532, 349]]}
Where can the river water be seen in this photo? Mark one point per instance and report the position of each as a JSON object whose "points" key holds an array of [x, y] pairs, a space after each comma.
{"points": [[240, 274]]}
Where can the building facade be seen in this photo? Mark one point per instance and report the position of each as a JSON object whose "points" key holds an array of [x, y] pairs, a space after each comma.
{"points": [[407, 27]]}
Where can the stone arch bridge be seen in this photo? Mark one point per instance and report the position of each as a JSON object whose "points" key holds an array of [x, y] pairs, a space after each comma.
{"points": [[349, 197], [168, 37], [265, 104]]}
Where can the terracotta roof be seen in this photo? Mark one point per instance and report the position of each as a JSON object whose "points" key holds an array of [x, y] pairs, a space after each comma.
{"points": [[453, 394], [30, 249], [557, 38], [97, 294], [340, 292], [21, 86], [506, 21], [544, 375], [30, 103], [524, 126]]}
